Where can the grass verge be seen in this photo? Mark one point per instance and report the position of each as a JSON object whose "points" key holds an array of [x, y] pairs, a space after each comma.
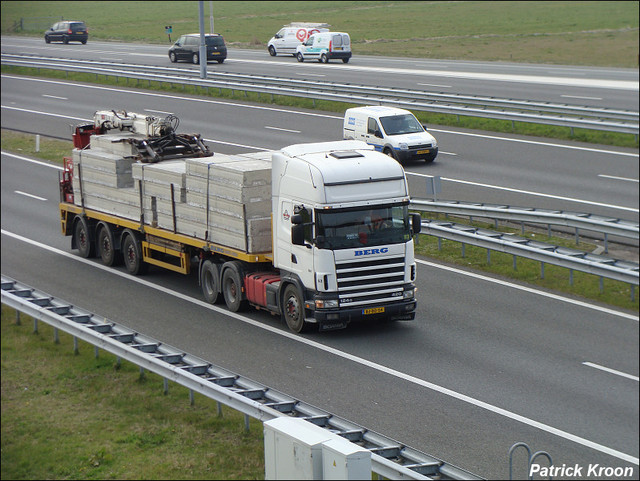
{"points": [[587, 286], [75, 416], [429, 118]]}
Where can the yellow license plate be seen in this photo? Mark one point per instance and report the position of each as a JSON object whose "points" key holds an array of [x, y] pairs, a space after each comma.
{"points": [[373, 310], [419, 152], [215, 53], [337, 48]]}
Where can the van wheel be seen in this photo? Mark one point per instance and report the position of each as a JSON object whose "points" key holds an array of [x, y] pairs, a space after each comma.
{"points": [[324, 58], [65, 39], [221, 60], [47, 39], [272, 51], [389, 152], [300, 57], [345, 60], [195, 58], [172, 57]]}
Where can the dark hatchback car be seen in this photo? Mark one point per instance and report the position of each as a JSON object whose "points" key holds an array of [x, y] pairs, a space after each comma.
{"points": [[67, 31], [188, 48]]}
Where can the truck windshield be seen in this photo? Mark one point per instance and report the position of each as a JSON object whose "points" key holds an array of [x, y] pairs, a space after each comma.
{"points": [[371, 226], [401, 124]]}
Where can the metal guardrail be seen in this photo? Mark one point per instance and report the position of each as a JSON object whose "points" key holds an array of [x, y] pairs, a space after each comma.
{"points": [[485, 107], [389, 458], [577, 220], [599, 265]]}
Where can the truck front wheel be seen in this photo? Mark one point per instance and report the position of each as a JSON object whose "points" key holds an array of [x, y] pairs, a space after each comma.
{"points": [[293, 309]]}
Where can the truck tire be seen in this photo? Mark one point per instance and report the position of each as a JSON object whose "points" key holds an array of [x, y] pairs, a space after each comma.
{"points": [[84, 239], [272, 51], [232, 286], [210, 281], [106, 246], [293, 309], [132, 254]]}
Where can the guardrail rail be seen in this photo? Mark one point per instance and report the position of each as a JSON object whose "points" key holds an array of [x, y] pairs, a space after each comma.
{"points": [[389, 458], [588, 117]]}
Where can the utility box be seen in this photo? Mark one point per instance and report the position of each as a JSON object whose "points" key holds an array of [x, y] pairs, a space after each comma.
{"points": [[342, 459], [293, 448]]}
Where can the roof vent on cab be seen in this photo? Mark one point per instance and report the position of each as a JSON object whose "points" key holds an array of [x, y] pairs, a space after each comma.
{"points": [[345, 154]]}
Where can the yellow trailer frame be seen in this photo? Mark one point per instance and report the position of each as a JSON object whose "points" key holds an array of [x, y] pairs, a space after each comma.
{"points": [[158, 240]]}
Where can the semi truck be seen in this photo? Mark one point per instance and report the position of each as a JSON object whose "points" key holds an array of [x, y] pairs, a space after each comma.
{"points": [[319, 234]]}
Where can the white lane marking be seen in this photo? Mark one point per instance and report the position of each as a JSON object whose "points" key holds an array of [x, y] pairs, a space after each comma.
{"points": [[539, 194], [581, 97], [33, 161], [435, 85], [364, 362], [158, 111], [312, 114], [284, 130], [531, 290], [617, 178], [29, 195], [612, 371], [537, 79], [55, 97]]}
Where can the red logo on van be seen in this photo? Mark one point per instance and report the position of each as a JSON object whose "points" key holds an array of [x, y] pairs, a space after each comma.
{"points": [[301, 34]]}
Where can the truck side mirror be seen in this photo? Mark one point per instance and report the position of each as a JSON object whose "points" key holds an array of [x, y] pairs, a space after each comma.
{"points": [[297, 234], [416, 223]]}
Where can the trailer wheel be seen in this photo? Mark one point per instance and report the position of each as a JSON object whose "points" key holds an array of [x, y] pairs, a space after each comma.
{"points": [[106, 246], [232, 286], [293, 309], [132, 252], [84, 239], [210, 281]]}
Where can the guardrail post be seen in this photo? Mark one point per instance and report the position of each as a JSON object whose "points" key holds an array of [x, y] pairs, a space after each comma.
{"points": [[76, 350], [56, 337], [165, 382], [192, 399], [18, 323], [96, 351], [542, 270], [35, 325]]}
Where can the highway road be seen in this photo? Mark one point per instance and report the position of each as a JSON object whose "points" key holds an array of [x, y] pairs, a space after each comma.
{"points": [[485, 364], [587, 86]]}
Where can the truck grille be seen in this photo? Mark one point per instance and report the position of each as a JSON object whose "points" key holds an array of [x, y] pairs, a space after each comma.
{"points": [[421, 146], [370, 281]]}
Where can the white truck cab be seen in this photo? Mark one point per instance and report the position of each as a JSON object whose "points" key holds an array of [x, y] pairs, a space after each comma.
{"points": [[292, 35], [392, 131], [325, 46]]}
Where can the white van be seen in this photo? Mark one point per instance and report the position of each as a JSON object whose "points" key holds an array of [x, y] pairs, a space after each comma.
{"points": [[395, 132], [324, 46], [292, 35]]}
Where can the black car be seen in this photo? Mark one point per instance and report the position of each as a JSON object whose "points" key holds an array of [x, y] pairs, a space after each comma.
{"points": [[188, 48], [67, 31]]}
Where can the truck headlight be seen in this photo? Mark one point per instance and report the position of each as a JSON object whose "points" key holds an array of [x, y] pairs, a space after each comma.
{"points": [[326, 303], [408, 294]]}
